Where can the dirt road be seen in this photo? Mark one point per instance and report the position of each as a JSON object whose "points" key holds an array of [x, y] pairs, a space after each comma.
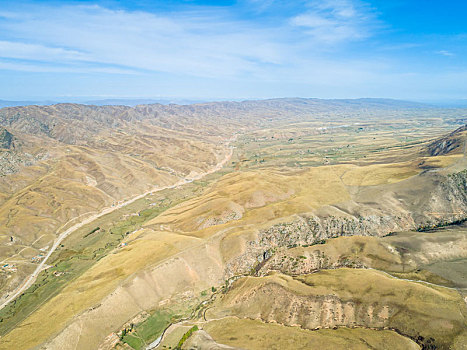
{"points": [[32, 278]]}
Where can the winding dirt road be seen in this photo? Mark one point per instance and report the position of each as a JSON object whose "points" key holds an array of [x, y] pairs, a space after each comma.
{"points": [[32, 278]]}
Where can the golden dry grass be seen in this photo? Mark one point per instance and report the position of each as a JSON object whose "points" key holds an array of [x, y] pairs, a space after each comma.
{"points": [[256, 335], [234, 207], [404, 252], [380, 174], [259, 197], [412, 308], [102, 167], [90, 288]]}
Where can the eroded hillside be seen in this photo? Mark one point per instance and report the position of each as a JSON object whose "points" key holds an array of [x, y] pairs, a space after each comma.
{"points": [[320, 219]]}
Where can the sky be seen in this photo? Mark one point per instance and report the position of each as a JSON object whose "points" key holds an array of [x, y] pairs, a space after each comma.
{"points": [[244, 49]]}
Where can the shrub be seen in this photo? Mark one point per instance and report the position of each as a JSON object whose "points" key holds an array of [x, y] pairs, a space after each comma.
{"points": [[185, 337]]}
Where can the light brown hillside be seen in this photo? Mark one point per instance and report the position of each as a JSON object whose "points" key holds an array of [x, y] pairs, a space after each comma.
{"points": [[348, 297]]}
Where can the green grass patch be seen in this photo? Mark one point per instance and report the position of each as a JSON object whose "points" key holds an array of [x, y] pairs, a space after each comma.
{"points": [[135, 342], [154, 325], [186, 336], [82, 250]]}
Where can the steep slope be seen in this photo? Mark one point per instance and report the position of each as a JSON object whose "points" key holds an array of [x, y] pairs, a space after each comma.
{"points": [[239, 222], [349, 297], [76, 160], [452, 143], [256, 335], [6, 139]]}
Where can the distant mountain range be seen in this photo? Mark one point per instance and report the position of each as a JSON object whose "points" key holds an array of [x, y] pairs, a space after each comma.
{"points": [[74, 123], [5, 103], [103, 102], [258, 239], [379, 102]]}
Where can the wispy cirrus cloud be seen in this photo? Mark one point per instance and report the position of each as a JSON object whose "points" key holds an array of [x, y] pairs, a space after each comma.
{"points": [[200, 43], [37, 52], [300, 47], [334, 21], [203, 42], [445, 53]]}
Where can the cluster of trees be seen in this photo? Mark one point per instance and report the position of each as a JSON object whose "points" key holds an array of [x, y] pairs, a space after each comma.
{"points": [[186, 336], [126, 330]]}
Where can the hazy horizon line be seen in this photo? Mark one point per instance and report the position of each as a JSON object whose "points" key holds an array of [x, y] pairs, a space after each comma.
{"points": [[164, 100]]}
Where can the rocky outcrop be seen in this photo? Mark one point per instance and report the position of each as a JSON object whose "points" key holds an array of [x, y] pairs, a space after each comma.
{"points": [[447, 144], [309, 229], [446, 204], [312, 262], [348, 298], [12, 161], [6, 139], [272, 302]]}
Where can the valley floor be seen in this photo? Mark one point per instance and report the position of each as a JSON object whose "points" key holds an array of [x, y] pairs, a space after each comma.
{"points": [[304, 235]]}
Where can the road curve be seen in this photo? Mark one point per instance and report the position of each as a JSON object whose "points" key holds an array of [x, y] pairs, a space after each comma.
{"points": [[32, 278]]}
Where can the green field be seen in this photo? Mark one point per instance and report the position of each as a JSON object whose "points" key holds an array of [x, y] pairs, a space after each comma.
{"points": [[86, 246]]}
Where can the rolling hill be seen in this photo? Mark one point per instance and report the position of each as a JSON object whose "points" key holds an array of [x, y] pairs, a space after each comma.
{"points": [[322, 214]]}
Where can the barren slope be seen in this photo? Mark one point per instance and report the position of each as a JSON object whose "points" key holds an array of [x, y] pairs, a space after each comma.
{"points": [[245, 221]]}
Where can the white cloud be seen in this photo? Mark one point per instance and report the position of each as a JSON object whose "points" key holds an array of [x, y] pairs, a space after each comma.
{"points": [[18, 50], [445, 53], [306, 49], [334, 21], [200, 44], [206, 42]]}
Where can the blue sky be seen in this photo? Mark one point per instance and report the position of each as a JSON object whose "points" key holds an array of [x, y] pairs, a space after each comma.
{"points": [[233, 49]]}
